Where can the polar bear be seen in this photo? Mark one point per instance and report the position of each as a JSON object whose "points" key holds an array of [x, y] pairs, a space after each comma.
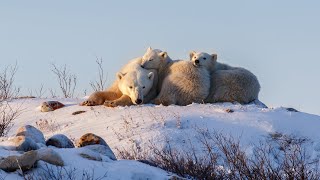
{"points": [[114, 92], [228, 84], [157, 60], [180, 82], [137, 86], [207, 60]]}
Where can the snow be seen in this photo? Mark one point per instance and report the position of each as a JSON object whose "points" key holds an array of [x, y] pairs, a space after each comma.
{"points": [[126, 127]]}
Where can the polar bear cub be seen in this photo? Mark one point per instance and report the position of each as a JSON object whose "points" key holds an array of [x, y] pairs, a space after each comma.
{"points": [[180, 82], [208, 61], [157, 60], [228, 84]]}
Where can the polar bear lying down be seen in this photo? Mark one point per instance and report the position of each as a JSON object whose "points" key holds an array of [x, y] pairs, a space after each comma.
{"points": [[228, 84], [158, 79], [133, 85], [180, 82]]}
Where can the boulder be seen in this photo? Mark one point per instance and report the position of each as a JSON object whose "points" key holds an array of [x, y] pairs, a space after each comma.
{"points": [[103, 150], [90, 139], [91, 155], [51, 106], [26, 161], [32, 133], [50, 156], [22, 143], [60, 141]]}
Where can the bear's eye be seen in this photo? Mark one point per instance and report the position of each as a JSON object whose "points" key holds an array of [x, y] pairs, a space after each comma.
{"points": [[130, 87], [204, 58], [143, 87], [150, 59]]}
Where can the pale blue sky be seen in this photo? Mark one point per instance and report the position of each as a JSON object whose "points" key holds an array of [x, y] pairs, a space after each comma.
{"points": [[279, 41]]}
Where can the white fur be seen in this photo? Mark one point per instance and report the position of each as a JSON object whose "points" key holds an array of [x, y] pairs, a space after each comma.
{"points": [[208, 60], [136, 83], [130, 74], [180, 82], [157, 60], [228, 84]]}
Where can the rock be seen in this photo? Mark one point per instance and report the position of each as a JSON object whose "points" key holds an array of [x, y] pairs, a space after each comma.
{"points": [[25, 162], [22, 143], [50, 156], [229, 110], [60, 141], [292, 110], [51, 106], [103, 150], [91, 155], [90, 139], [78, 112], [25, 97], [32, 133]]}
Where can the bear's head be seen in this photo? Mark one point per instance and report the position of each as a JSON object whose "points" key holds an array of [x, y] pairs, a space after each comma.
{"points": [[203, 59], [153, 58], [136, 84]]}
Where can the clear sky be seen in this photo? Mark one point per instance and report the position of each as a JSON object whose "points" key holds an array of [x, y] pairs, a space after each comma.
{"points": [[279, 41]]}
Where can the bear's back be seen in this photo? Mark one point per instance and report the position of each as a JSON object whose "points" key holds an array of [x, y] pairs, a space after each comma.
{"points": [[236, 84], [193, 82]]}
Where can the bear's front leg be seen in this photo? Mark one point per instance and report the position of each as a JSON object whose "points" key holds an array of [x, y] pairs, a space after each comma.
{"points": [[124, 100]]}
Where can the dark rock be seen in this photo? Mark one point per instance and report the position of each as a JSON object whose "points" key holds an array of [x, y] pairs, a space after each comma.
{"points": [[292, 110], [78, 112], [60, 141], [229, 110]]}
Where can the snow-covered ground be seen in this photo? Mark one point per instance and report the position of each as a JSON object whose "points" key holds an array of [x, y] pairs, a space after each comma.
{"points": [[125, 127]]}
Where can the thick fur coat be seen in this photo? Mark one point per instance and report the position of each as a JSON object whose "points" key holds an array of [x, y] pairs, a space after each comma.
{"points": [[180, 82], [113, 96], [228, 84]]}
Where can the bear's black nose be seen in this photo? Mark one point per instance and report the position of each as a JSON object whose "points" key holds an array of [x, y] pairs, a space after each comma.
{"points": [[142, 66], [196, 61], [138, 101]]}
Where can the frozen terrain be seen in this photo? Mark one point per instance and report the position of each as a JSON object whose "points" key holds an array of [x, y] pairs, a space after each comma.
{"points": [[138, 126]]}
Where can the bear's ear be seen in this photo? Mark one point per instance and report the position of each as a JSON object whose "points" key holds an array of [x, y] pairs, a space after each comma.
{"points": [[163, 55], [151, 75], [149, 49], [214, 57], [120, 75], [191, 54]]}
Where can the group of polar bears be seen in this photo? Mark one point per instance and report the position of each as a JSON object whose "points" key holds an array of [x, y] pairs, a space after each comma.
{"points": [[156, 78]]}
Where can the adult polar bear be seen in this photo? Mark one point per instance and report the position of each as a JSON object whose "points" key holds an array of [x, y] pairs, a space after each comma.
{"points": [[134, 85], [228, 84], [180, 82]]}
